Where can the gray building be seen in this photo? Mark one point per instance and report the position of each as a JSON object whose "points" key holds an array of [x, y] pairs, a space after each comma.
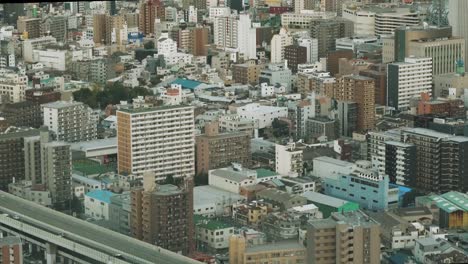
{"points": [[326, 31], [120, 213], [56, 26], [347, 117], [322, 128], [280, 199], [276, 73]]}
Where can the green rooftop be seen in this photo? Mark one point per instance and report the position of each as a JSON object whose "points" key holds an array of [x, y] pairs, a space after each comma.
{"points": [[262, 173], [90, 167], [451, 201], [210, 224]]}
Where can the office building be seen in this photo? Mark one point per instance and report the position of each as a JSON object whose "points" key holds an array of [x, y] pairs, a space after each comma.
{"points": [[408, 79], [451, 81], [22, 114], [262, 115], [246, 39], [11, 250], [295, 55], [162, 215], [30, 27], [55, 26], [327, 31], [289, 160], [217, 150], [300, 5], [160, 140], [276, 74], [311, 45], [56, 172], [378, 72], [278, 45], [347, 117], [350, 237], [29, 45], [70, 121], [226, 31], [400, 162], [358, 89], [457, 18], [241, 252]]}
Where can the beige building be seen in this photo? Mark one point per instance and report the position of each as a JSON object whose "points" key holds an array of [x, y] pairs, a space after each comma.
{"points": [[246, 73], [443, 82], [31, 26], [283, 252], [159, 139], [361, 90], [349, 237], [215, 150]]}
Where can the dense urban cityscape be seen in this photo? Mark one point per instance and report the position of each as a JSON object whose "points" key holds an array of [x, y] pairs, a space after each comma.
{"points": [[234, 131]]}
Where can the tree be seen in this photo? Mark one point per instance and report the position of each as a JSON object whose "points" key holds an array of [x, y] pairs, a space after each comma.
{"points": [[149, 45], [280, 128]]}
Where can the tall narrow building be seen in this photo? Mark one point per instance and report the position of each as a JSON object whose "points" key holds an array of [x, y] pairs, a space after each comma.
{"points": [[278, 44], [459, 21], [147, 16], [162, 215], [159, 140], [247, 37]]}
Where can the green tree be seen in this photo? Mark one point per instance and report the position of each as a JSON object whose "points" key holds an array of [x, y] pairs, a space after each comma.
{"points": [[149, 45], [280, 128]]}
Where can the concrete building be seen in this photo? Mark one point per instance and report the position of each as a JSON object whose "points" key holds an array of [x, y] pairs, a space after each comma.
{"points": [[322, 128], [30, 27], [408, 79], [163, 215], [120, 212], [378, 72], [311, 45], [13, 85], [232, 179], [240, 252], [289, 160], [350, 236], [55, 58], [276, 74], [215, 150], [360, 90], [278, 45], [444, 83], [32, 192], [70, 121], [261, 114], [11, 250], [96, 204], [211, 202], [246, 73], [55, 26], [295, 55], [400, 162], [29, 45], [212, 234], [347, 117], [22, 114], [327, 31], [278, 199], [329, 204], [226, 31], [199, 40], [246, 39], [457, 19], [147, 16], [172, 135], [233, 123], [56, 172]]}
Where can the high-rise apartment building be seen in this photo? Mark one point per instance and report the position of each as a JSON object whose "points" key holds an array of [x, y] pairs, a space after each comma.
{"points": [[31, 27], [349, 237], [408, 79], [378, 72], [247, 37], [160, 140], [458, 20], [109, 29], [147, 16], [13, 85], [11, 250], [199, 38], [55, 26], [246, 73], [347, 117], [311, 45], [218, 150], [400, 162], [22, 114], [289, 160], [278, 44], [162, 215], [360, 90], [300, 5], [56, 172], [453, 164], [226, 31], [70, 121]]}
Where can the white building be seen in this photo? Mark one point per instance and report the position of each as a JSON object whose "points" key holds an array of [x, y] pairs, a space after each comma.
{"points": [[232, 180], [326, 167], [70, 121], [97, 204], [31, 44], [13, 85], [225, 31], [213, 233], [57, 59], [159, 140], [247, 37], [166, 45], [278, 43], [210, 201], [25, 189], [311, 45], [408, 79], [350, 43], [261, 114], [219, 11], [303, 19], [288, 160]]}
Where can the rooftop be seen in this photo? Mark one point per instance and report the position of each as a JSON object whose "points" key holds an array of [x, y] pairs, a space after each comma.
{"points": [[426, 132], [151, 109], [324, 199], [451, 201], [209, 194], [91, 167], [95, 144], [187, 84], [230, 175], [61, 104], [262, 173], [277, 246], [210, 224], [101, 195]]}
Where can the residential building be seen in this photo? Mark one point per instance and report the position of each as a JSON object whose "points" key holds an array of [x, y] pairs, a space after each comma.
{"points": [[295, 55], [250, 214], [56, 172], [70, 121], [246, 73], [326, 31], [233, 123], [55, 26], [162, 215], [378, 72], [289, 160], [212, 202], [408, 79], [30, 27], [240, 252], [276, 74], [147, 16], [232, 179], [360, 90], [120, 212], [246, 39], [278, 199], [31, 192], [213, 234], [322, 128], [159, 139], [278, 45], [13, 85], [199, 41], [457, 19], [215, 150], [29, 45], [329, 204], [261, 114], [350, 236], [400, 162], [226, 31], [311, 45], [11, 250], [22, 114], [347, 117], [96, 204], [299, 114]]}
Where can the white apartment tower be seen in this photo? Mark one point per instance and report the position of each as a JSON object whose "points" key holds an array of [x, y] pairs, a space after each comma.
{"points": [[289, 160], [159, 140], [225, 31], [70, 121], [458, 19], [247, 37], [408, 79], [166, 45], [312, 48], [278, 43]]}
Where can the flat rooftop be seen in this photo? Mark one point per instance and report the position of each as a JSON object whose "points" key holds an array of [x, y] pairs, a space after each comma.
{"points": [[151, 109], [281, 245], [104, 240], [209, 194]]}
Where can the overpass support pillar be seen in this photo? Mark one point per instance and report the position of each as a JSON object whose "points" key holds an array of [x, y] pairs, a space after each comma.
{"points": [[51, 253]]}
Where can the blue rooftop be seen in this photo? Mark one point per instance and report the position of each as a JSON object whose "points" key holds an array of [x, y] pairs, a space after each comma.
{"points": [[101, 195], [186, 84]]}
